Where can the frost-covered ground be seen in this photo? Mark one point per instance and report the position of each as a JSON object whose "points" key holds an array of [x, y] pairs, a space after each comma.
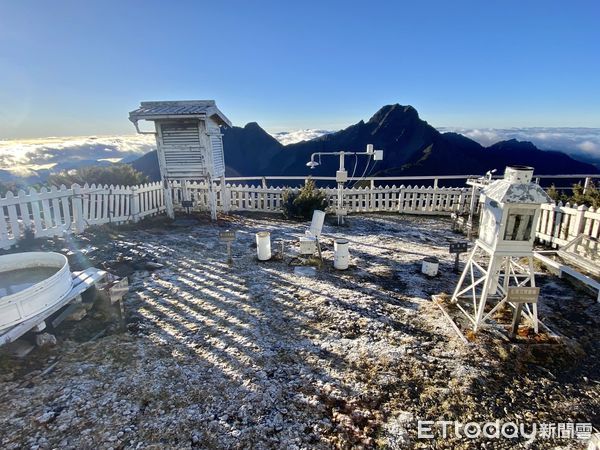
{"points": [[256, 356]]}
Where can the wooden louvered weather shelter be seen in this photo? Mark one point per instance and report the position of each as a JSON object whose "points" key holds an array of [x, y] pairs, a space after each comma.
{"points": [[189, 143]]}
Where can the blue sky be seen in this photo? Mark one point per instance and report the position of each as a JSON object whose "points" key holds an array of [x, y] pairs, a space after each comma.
{"points": [[77, 68]]}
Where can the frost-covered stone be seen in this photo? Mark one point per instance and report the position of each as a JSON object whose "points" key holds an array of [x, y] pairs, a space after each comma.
{"points": [[45, 340]]}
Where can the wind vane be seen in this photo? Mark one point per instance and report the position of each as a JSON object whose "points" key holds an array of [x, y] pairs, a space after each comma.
{"points": [[341, 176]]}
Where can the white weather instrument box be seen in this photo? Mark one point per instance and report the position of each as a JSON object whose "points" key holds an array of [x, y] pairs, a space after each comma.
{"points": [[188, 137]]}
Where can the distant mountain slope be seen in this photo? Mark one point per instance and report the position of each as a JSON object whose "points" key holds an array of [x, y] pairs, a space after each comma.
{"points": [[148, 165], [250, 150], [411, 147]]}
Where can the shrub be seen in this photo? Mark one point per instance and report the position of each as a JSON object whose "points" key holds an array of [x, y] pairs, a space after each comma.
{"points": [[12, 186], [116, 174], [556, 195], [28, 240], [302, 204], [590, 198]]}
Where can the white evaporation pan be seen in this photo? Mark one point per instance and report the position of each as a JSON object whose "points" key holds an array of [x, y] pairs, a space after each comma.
{"points": [[30, 283]]}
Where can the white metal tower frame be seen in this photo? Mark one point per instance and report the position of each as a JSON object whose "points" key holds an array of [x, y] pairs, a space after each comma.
{"points": [[510, 212], [479, 285]]}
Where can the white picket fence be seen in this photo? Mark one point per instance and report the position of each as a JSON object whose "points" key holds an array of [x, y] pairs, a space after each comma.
{"points": [[403, 199], [560, 223], [55, 211]]}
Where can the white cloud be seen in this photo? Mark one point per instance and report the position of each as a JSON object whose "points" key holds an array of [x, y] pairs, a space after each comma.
{"points": [[58, 150], [23, 157], [291, 137], [569, 140], [590, 147]]}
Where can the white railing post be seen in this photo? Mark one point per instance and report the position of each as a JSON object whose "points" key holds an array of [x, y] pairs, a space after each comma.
{"points": [[135, 204], [586, 184], [78, 220], [579, 221], [212, 199], [225, 196], [167, 193]]}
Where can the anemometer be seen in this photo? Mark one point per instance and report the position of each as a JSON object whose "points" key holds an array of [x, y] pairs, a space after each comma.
{"points": [[341, 176]]}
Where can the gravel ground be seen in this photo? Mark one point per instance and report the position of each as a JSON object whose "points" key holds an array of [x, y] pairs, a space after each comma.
{"points": [[257, 356]]}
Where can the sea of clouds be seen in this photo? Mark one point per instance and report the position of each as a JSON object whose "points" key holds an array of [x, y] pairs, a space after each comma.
{"points": [[575, 141], [291, 137], [27, 157], [36, 157], [583, 142]]}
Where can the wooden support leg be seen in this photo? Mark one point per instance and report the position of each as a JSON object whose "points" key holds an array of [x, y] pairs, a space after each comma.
{"points": [[516, 319], [118, 305], [319, 250]]}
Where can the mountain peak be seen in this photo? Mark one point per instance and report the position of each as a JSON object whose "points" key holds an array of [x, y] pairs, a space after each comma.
{"points": [[411, 147], [395, 112], [252, 126], [514, 144]]}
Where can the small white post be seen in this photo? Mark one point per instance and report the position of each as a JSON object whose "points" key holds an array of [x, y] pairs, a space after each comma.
{"points": [[340, 193]]}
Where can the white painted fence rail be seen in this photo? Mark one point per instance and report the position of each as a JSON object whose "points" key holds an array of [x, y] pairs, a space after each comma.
{"points": [[55, 211], [561, 223], [403, 199]]}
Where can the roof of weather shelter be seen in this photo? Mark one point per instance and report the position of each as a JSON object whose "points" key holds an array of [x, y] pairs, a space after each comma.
{"points": [[182, 109], [512, 191]]}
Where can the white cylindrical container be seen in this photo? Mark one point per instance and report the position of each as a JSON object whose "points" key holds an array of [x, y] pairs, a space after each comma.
{"points": [[430, 266], [341, 255], [263, 245], [30, 283], [317, 223], [518, 174]]}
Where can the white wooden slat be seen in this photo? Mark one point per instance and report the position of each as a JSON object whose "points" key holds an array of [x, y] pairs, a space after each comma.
{"points": [[35, 212], [112, 213], [48, 224], [24, 209], [4, 237], [12, 218], [66, 208], [56, 213]]}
